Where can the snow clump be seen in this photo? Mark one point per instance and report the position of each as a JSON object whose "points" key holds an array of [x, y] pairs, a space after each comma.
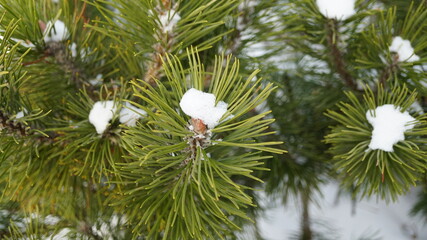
{"points": [[201, 105], [130, 114], [389, 126], [101, 114], [57, 32], [403, 49], [339, 9]]}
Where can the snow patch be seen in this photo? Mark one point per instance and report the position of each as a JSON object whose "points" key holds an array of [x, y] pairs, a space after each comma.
{"points": [[168, 20], [339, 9], [61, 235], [201, 105], [57, 32], [52, 220], [26, 44], [403, 49], [97, 80], [73, 49], [130, 114], [19, 115], [389, 126], [101, 114]]}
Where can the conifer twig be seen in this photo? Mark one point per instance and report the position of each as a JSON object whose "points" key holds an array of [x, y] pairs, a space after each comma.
{"points": [[58, 51], [11, 126], [14, 127], [154, 67], [337, 55], [389, 70]]}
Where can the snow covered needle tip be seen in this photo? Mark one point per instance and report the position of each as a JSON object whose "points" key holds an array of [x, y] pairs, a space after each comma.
{"points": [[58, 31], [168, 20], [339, 9], [404, 50], [389, 125], [102, 113], [201, 105]]}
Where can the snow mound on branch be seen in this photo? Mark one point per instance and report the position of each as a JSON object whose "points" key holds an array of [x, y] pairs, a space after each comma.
{"points": [[130, 114], [389, 126], [339, 9], [201, 105], [101, 114], [57, 32], [404, 49], [169, 20]]}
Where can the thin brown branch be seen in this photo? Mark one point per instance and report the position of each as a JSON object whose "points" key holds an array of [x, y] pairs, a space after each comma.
{"points": [[337, 56], [35, 61]]}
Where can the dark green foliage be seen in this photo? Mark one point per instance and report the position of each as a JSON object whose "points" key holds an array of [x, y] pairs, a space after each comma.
{"points": [[170, 177], [387, 174], [182, 189]]}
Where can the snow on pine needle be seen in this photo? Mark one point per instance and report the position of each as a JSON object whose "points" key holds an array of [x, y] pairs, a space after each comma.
{"points": [[339, 9], [55, 32], [389, 125], [130, 114], [404, 50], [168, 20], [201, 105], [377, 145], [189, 149], [103, 112]]}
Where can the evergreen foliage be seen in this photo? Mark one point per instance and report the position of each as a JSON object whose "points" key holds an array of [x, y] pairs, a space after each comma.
{"points": [[299, 122], [387, 174]]}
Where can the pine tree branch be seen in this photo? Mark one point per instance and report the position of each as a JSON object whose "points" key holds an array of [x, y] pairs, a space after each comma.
{"points": [[154, 68], [58, 50], [337, 56], [20, 129], [11, 126]]}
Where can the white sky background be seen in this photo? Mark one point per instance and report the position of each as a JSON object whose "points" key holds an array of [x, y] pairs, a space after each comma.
{"points": [[387, 221]]}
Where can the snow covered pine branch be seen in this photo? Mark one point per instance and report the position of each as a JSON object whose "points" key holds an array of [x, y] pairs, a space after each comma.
{"points": [[194, 142], [378, 146]]}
